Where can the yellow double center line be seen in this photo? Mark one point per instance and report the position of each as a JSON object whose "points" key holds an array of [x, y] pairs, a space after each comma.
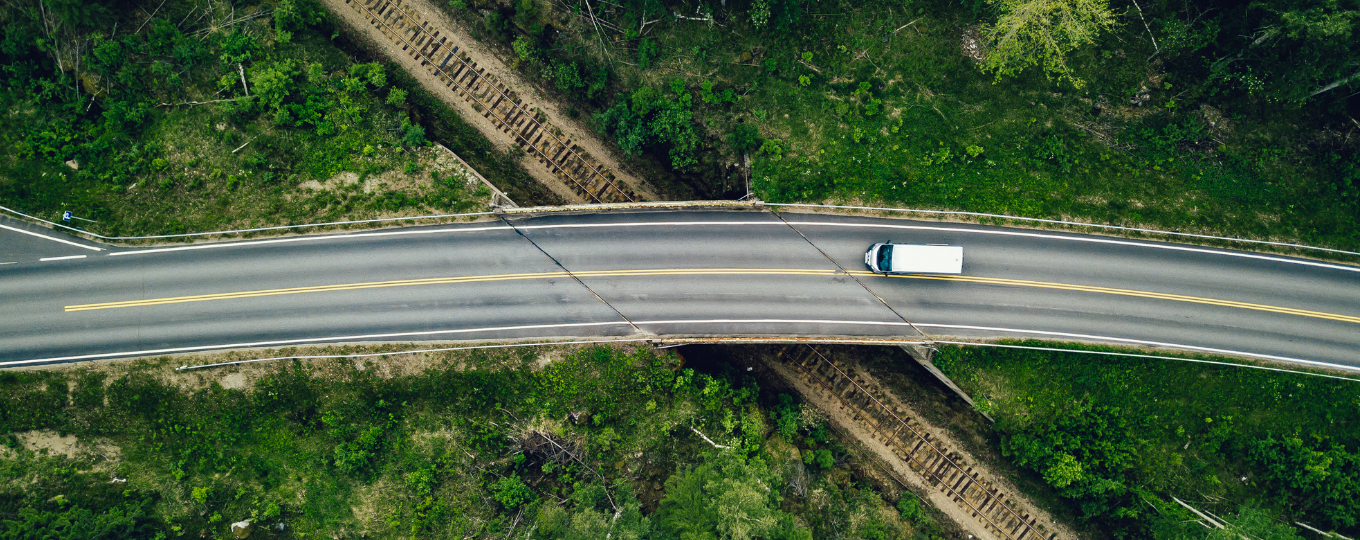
{"points": [[712, 272], [1140, 294], [443, 281]]}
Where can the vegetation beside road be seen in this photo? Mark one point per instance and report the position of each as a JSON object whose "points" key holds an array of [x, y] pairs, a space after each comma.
{"points": [[1213, 128], [217, 116], [1119, 437], [600, 441]]}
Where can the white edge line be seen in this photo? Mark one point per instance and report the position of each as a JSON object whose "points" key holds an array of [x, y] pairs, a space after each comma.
{"points": [[305, 239], [1133, 355], [1153, 245], [45, 237], [1145, 342], [1061, 222], [237, 231], [152, 352], [68, 257]]}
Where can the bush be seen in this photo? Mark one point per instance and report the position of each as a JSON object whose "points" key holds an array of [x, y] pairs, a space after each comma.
{"points": [[511, 492], [726, 496], [1088, 453], [648, 51], [77, 523], [413, 135], [1321, 479]]}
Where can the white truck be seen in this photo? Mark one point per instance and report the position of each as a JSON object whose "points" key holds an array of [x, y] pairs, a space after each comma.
{"points": [[914, 259]]}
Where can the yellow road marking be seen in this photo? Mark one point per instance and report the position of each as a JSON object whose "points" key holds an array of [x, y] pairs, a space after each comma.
{"points": [[442, 281], [710, 272], [1141, 294]]}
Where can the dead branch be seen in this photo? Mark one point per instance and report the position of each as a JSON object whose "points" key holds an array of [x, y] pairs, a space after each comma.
{"points": [[900, 28], [710, 441], [809, 66], [149, 17], [242, 70], [194, 103], [598, 32], [186, 17], [1336, 83], [1149, 30]]}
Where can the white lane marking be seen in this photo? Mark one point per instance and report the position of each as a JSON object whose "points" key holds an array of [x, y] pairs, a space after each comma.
{"points": [[11, 262], [1093, 240], [1133, 355], [675, 321], [45, 237], [1144, 342], [305, 239], [1173, 247], [68, 257], [174, 350]]}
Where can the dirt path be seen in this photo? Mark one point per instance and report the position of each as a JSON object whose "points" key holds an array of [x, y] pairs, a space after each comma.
{"points": [[436, 21]]}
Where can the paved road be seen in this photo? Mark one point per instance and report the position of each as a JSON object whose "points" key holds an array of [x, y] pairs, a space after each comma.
{"points": [[682, 273]]}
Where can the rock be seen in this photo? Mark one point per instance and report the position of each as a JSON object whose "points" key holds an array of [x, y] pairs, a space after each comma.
{"points": [[1100, 105], [1213, 118], [972, 46], [241, 530], [73, 164], [1143, 96]]}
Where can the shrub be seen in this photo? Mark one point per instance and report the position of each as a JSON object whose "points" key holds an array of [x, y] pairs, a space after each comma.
{"points": [[1322, 479], [413, 135], [511, 492], [648, 51]]}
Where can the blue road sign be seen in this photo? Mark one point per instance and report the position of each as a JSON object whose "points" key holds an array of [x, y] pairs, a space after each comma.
{"points": [[66, 216]]}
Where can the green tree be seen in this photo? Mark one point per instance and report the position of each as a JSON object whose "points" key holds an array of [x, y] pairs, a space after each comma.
{"points": [[593, 517], [1321, 479], [1042, 33], [727, 497], [76, 523], [1089, 453], [1249, 522], [1293, 52], [511, 492]]}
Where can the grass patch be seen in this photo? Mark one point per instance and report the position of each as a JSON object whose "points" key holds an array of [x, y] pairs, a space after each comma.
{"points": [[1119, 437], [877, 103], [157, 134], [548, 443]]}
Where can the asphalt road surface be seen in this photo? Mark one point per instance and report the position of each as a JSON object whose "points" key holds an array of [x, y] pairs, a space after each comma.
{"points": [[663, 274]]}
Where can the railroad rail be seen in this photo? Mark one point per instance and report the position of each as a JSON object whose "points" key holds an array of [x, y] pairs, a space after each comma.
{"points": [[941, 468], [494, 100]]}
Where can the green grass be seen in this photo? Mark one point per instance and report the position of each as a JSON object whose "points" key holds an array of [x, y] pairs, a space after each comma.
{"points": [[885, 112], [438, 445], [173, 167], [1196, 430]]}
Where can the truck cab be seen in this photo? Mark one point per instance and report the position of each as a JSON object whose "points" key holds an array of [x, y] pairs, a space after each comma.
{"points": [[888, 258]]}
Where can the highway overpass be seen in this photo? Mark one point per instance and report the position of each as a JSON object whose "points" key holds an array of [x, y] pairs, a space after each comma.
{"points": [[664, 274]]}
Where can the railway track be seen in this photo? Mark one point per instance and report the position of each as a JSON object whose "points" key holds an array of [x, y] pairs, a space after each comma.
{"points": [[941, 468], [494, 100]]}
